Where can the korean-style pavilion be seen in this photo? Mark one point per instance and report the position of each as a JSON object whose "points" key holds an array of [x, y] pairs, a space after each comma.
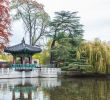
{"points": [[24, 52]]}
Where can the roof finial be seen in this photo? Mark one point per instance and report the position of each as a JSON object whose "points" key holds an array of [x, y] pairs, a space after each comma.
{"points": [[23, 41]]}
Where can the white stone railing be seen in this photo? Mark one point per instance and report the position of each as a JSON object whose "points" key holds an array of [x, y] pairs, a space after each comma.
{"points": [[36, 72], [5, 71]]}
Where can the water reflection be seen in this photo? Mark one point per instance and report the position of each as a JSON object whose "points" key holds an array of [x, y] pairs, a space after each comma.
{"points": [[55, 89], [82, 89], [27, 89]]}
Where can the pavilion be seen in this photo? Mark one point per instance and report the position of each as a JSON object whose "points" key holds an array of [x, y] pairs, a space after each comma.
{"points": [[24, 52]]}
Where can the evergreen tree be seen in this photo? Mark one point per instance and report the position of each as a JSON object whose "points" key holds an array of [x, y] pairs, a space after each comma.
{"points": [[68, 23]]}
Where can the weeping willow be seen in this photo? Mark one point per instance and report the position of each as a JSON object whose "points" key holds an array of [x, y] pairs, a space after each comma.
{"points": [[97, 54]]}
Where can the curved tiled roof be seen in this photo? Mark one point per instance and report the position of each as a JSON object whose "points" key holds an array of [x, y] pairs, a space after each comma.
{"points": [[22, 48]]}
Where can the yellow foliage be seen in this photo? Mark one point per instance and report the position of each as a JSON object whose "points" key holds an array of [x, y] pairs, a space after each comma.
{"points": [[7, 57], [98, 55]]}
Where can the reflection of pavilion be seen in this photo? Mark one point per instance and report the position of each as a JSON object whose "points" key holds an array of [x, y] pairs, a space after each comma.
{"points": [[23, 90], [27, 89]]}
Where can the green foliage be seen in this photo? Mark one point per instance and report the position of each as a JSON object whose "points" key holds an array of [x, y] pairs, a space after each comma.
{"points": [[90, 57], [61, 50], [66, 22], [97, 54], [43, 57], [66, 33]]}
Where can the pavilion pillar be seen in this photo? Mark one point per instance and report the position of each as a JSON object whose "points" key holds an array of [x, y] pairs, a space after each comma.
{"points": [[14, 59], [30, 60], [23, 59]]}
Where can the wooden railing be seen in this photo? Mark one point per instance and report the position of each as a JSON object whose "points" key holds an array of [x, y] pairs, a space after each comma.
{"points": [[23, 66]]}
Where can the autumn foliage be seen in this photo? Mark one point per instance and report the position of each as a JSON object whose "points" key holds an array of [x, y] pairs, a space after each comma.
{"points": [[4, 23], [33, 2]]}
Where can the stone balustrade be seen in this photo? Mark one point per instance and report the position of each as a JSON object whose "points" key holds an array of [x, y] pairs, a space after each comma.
{"points": [[36, 72]]}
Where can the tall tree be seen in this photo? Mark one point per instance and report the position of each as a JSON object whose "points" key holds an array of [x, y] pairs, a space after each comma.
{"points": [[34, 17], [4, 23], [68, 23]]}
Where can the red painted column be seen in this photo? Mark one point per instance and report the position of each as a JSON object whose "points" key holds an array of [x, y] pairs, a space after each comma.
{"points": [[14, 60], [23, 58], [30, 60]]}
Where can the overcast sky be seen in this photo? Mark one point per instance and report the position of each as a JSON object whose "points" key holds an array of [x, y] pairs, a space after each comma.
{"points": [[95, 16]]}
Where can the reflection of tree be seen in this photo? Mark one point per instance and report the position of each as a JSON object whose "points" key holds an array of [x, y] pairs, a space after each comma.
{"points": [[71, 89], [93, 89]]}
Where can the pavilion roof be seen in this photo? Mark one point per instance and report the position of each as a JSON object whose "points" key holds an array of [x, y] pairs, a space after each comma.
{"points": [[23, 48]]}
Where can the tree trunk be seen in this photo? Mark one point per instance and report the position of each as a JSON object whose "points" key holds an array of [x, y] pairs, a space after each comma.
{"points": [[51, 53], [107, 70], [30, 34]]}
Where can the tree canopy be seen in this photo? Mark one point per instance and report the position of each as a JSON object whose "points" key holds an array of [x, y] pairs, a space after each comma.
{"points": [[97, 55], [34, 17], [65, 27], [4, 23]]}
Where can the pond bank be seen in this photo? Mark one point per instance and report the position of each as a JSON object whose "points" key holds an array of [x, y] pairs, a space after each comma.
{"points": [[77, 74]]}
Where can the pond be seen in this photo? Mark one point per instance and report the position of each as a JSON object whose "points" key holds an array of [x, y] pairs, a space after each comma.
{"points": [[54, 89]]}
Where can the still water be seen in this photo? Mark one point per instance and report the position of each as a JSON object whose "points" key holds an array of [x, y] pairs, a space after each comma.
{"points": [[54, 89]]}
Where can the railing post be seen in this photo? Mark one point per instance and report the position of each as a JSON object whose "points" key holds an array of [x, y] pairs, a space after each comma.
{"points": [[23, 74], [13, 69], [2, 71], [7, 70]]}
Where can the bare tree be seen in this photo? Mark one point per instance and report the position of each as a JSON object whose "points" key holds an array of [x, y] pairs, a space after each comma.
{"points": [[34, 17]]}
